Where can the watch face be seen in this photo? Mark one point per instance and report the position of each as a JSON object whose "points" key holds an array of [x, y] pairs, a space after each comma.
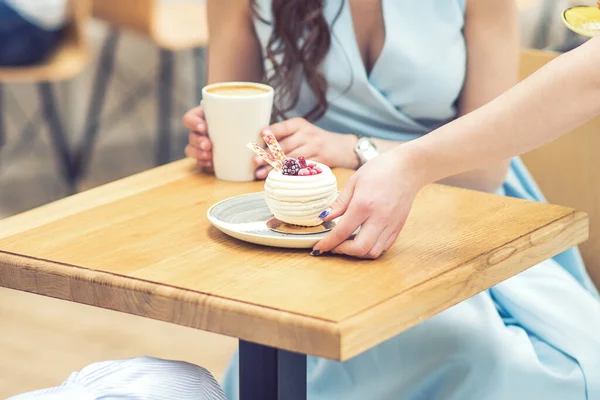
{"points": [[366, 149], [365, 145]]}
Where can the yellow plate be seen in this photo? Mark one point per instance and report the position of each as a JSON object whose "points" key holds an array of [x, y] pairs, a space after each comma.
{"points": [[584, 20]]}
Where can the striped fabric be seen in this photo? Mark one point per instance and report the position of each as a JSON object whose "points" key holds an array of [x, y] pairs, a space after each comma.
{"points": [[142, 378]]}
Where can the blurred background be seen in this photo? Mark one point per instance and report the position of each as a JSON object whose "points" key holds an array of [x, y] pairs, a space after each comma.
{"points": [[126, 139], [43, 340]]}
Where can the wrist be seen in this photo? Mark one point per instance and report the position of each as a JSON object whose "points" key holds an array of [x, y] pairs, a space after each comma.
{"points": [[412, 166], [348, 157]]}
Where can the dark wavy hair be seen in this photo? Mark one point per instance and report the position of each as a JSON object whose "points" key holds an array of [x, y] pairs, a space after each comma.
{"points": [[297, 48]]}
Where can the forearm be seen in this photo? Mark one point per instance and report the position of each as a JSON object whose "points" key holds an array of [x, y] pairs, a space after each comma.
{"points": [[482, 179], [386, 145], [554, 100]]}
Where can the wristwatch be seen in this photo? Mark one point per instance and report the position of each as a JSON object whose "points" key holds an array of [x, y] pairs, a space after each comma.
{"points": [[365, 149]]}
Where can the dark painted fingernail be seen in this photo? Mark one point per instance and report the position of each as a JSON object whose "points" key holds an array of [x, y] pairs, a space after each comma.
{"points": [[325, 213], [316, 253]]}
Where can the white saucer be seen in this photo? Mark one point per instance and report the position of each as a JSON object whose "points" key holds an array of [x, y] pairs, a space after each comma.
{"points": [[245, 218]]}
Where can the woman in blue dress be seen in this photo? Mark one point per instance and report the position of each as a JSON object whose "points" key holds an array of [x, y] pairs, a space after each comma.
{"points": [[534, 336], [357, 79], [529, 332]]}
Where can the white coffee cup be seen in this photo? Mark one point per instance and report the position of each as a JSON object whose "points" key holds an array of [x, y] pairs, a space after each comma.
{"points": [[236, 113]]}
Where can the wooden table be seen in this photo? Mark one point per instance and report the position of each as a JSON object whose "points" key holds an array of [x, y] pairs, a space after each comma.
{"points": [[143, 246]]}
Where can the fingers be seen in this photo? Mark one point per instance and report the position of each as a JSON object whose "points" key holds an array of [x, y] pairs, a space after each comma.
{"points": [[340, 233], [286, 128], [200, 148], [384, 243], [259, 161], [340, 205], [262, 168], [199, 141], [207, 166], [194, 120], [363, 245], [263, 171], [206, 169], [291, 144], [199, 155], [392, 238], [303, 150], [368, 242], [343, 230]]}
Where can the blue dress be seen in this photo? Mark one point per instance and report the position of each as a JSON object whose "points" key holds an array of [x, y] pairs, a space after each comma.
{"points": [[534, 336]]}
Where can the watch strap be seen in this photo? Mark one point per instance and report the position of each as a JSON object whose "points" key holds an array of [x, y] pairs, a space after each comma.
{"points": [[365, 149]]}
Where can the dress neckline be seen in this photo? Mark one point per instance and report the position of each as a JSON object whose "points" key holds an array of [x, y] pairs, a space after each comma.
{"points": [[347, 13]]}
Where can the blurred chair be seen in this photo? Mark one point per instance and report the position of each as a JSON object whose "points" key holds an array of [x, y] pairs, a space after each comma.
{"points": [[173, 27], [66, 62], [550, 33], [568, 169]]}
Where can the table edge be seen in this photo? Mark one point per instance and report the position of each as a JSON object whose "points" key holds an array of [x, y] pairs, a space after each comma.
{"points": [[185, 307], [299, 333], [358, 331]]}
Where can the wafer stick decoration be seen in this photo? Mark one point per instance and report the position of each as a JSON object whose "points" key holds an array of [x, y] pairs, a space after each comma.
{"points": [[271, 141], [277, 165], [277, 156]]}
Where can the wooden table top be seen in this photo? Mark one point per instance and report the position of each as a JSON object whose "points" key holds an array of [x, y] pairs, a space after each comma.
{"points": [[144, 246]]}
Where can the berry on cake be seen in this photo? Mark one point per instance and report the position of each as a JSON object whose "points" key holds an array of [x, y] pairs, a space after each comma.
{"points": [[296, 190]]}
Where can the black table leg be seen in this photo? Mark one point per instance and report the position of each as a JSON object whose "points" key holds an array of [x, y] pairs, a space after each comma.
{"points": [[267, 373]]}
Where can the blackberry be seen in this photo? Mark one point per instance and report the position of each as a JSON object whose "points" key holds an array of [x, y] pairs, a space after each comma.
{"points": [[290, 166]]}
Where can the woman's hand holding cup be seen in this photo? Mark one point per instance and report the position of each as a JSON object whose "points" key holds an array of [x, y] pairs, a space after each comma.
{"points": [[199, 146]]}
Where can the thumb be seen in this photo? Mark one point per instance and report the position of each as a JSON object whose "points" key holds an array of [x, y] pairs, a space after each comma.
{"points": [[283, 129], [340, 205]]}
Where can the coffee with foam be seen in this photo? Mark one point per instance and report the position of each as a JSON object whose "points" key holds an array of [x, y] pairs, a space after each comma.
{"points": [[237, 90]]}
